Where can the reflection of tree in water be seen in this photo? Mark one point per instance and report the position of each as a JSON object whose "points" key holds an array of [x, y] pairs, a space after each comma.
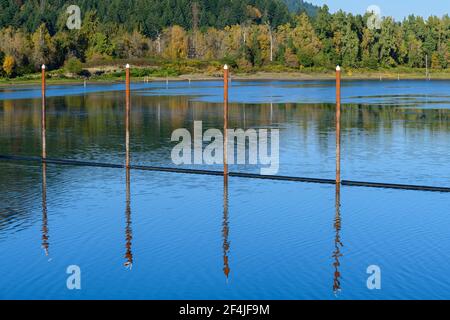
{"points": [[79, 122], [76, 121]]}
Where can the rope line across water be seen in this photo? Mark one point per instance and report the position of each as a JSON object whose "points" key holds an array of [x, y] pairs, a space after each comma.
{"points": [[231, 174]]}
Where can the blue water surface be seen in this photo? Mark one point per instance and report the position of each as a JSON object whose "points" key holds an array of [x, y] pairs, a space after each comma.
{"points": [[162, 235]]}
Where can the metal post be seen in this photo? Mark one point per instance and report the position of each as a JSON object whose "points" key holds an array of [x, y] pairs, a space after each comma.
{"points": [[43, 117], [127, 116], [338, 125], [225, 120]]}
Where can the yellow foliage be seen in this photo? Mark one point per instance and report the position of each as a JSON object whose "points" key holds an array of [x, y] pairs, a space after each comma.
{"points": [[264, 43], [234, 39], [43, 47], [435, 61], [290, 58], [254, 12], [8, 65], [178, 45], [304, 36]]}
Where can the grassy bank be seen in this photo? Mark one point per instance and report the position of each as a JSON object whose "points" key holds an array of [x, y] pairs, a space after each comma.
{"points": [[110, 71]]}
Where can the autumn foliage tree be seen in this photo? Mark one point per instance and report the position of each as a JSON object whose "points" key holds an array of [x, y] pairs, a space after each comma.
{"points": [[8, 65], [177, 43], [248, 34]]}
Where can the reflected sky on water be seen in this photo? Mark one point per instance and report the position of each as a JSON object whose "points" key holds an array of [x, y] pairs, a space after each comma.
{"points": [[138, 234]]}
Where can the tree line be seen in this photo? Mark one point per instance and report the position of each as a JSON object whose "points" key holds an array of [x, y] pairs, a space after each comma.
{"points": [[250, 38]]}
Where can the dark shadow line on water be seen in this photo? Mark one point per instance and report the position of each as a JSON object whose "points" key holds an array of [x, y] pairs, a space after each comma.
{"points": [[231, 174]]}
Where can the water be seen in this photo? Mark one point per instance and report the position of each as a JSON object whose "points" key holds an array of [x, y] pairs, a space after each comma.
{"points": [[195, 237]]}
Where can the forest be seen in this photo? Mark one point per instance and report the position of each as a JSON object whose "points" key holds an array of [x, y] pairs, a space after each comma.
{"points": [[249, 35]]}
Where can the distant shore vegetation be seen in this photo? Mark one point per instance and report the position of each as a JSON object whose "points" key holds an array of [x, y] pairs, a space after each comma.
{"points": [[282, 41]]}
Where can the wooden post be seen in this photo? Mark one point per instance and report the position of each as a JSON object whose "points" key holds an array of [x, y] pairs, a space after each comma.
{"points": [[43, 113], [127, 116], [128, 254], [225, 120], [338, 125]]}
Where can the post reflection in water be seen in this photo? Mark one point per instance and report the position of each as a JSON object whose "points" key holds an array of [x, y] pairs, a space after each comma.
{"points": [[337, 242], [45, 243], [225, 228], [128, 231]]}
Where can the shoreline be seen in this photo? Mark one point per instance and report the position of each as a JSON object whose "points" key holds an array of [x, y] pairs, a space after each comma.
{"points": [[259, 76]]}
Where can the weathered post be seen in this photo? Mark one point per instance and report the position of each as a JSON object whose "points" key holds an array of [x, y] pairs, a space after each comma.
{"points": [[43, 113], [128, 235], [127, 116], [225, 120], [338, 125]]}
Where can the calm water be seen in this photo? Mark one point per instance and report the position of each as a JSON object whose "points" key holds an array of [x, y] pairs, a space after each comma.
{"points": [[174, 236]]}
